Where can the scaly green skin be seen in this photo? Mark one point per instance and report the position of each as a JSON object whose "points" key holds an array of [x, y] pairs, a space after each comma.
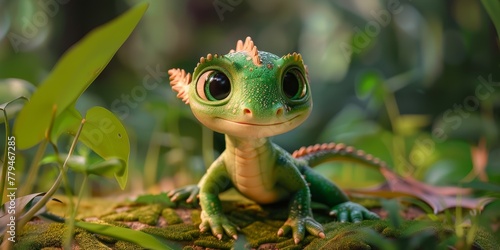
{"points": [[268, 95]]}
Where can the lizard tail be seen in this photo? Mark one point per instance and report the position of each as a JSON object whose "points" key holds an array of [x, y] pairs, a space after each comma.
{"points": [[439, 198], [320, 153]]}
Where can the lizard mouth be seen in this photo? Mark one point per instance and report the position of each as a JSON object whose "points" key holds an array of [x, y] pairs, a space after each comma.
{"points": [[259, 124]]}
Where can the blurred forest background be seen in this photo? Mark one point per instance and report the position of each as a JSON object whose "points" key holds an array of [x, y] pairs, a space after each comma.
{"points": [[416, 83]]}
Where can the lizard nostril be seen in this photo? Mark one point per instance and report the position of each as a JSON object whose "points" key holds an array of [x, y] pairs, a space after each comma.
{"points": [[247, 111], [279, 112]]}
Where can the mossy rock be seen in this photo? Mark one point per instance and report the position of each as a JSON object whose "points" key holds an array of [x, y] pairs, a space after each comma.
{"points": [[259, 226]]}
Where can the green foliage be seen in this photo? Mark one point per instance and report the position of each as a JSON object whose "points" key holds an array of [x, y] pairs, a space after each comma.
{"points": [[52, 105], [493, 8], [74, 72], [106, 136], [87, 236], [155, 199], [371, 86], [140, 238]]}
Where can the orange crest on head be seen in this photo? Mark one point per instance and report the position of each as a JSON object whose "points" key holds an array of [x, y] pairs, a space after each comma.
{"points": [[250, 48], [179, 81]]}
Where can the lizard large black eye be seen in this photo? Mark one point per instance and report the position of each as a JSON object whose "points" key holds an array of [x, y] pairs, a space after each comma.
{"points": [[294, 84], [213, 86]]}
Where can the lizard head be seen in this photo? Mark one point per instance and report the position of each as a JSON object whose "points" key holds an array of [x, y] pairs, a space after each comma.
{"points": [[246, 93]]}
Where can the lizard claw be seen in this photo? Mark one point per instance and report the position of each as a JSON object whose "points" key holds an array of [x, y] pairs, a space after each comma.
{"points": [[187, 193], [299, 226], [352, 212], [219, 225]]}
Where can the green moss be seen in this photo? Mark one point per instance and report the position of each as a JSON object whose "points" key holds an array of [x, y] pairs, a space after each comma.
{"points": [[485, 240], [125, 245], [87, 241], [38, 235], [243, 218], [209, 241], [259, 227], [178, 232], [346, 235], [289, 243], [148, 214], [259, 233], [170, 216], [196, 216]]}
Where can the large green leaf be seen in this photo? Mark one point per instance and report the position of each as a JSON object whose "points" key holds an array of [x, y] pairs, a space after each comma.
{"points": [[67, 122], [74, 72], [104, 134], [140, 238]]}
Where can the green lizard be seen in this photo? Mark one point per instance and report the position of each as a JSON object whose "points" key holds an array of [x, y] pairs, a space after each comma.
{"points": [[250, 95]]}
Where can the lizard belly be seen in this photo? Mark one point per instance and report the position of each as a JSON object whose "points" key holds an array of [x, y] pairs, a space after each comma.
{"points": [[252, 169], [256, 189], [256, 181]]}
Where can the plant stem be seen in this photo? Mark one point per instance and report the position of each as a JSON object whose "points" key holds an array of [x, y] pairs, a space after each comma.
{"points": [[65, 183], [33, 173], [27, 217], [71, 221], [7, 134], [398, 141], [151, 162], [6, 243], [5, 157]]}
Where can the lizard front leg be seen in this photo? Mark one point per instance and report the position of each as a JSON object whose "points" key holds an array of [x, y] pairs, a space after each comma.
{"points": [[300, 218], [215, 181], [188, 193], [326, 192]]}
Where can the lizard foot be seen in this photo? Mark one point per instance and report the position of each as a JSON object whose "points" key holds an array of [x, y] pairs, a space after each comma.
{"points": [[299, 226], [352, 212], [219, 225], [187, 193]]}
